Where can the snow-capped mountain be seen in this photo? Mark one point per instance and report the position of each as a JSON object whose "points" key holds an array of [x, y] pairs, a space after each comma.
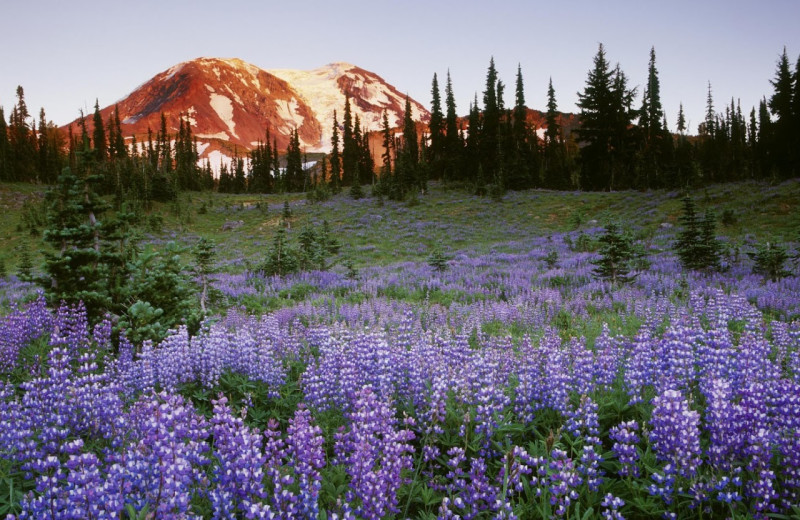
{"points": [[231, 104]]}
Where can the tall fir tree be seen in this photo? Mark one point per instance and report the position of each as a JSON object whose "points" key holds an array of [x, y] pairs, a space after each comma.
{"points": [[5, 149], [349, 146], [21, 141], [490, 127], [781, 107], [437, 131], [386, 157], [654, 135], [597, 119], [99, 141], [555, 172], [336, 163], [452, 141]]}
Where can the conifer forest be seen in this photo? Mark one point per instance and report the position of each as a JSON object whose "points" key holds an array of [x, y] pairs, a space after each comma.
{"points": [[477, 319]]}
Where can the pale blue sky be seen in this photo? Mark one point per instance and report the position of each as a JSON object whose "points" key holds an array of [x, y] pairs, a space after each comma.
{"points": [[67, 53]]}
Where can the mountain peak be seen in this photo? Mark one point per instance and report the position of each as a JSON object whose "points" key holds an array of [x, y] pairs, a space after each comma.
{"points": [[230, 104]]}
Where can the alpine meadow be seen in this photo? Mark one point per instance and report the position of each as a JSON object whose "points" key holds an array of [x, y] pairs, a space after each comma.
{"points": [[242, 293]]}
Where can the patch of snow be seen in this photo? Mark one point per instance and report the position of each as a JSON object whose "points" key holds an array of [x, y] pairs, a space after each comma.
{"points": [[319, 89], [210, 88], [216, 159], [287, 110], [235, 96], [190, 112], [201, 147], [174, 70], [218, 135], [131, 120], [224, 108]]}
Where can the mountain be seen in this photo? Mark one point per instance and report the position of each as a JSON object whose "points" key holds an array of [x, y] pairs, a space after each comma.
{"points": [[230, 104]]}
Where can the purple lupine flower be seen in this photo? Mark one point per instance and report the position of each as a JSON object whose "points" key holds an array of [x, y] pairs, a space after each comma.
{"points": [[611, 505], [239, 468], [306, 454], [374, 454], [161, 467], [675, 433], [563, 481], [625, 439]]}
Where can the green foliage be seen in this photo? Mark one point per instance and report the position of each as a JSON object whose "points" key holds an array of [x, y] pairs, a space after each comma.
{"points": [[356, 191], [551, 259], [616, 255], [162, 293], [317, 247], [282, 259], [320, 193], [770, 260], [25, 267], [438, 260], [729, 217], [697, 246], [204, 255]]}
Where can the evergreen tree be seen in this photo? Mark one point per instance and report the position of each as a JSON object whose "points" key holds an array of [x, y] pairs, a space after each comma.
{"points": [[780, 105], [689, 236], [520, 166], [386, 168], [349, 146], [407, 175], [366, 164], [260, 167], [472, 167], [452, 142], [336, 164], [616, 255], [795, 131], [80, 268], [436, 127], [204, 254], [239, 178], [599, 121], [294, 174], [769, 261], [654, 135], [556, 175], [162, 293], [490, 126], [117, 144], [282, 259], [99, 135], [697, 246], [21, 142], [5, 149], [438, 260]]}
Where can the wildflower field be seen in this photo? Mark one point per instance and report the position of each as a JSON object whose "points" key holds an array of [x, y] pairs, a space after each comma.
{"points": [[505, 380]]}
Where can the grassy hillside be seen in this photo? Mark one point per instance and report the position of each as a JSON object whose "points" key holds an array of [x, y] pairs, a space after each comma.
{"points": [[375, 232]]}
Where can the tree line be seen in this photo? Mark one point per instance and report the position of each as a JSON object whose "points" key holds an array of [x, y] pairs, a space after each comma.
{"points": [[617, 144]]}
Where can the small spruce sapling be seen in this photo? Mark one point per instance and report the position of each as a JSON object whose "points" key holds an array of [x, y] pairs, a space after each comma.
{"points": [[697, 246], [438, 260], [769, 261], [204, 269], [617, 254]]}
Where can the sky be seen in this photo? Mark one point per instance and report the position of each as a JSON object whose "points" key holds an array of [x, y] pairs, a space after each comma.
{"points": [[67, 54]]}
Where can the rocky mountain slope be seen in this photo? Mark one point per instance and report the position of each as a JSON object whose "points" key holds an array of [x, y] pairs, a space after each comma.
{"points": [[230, 104]]}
